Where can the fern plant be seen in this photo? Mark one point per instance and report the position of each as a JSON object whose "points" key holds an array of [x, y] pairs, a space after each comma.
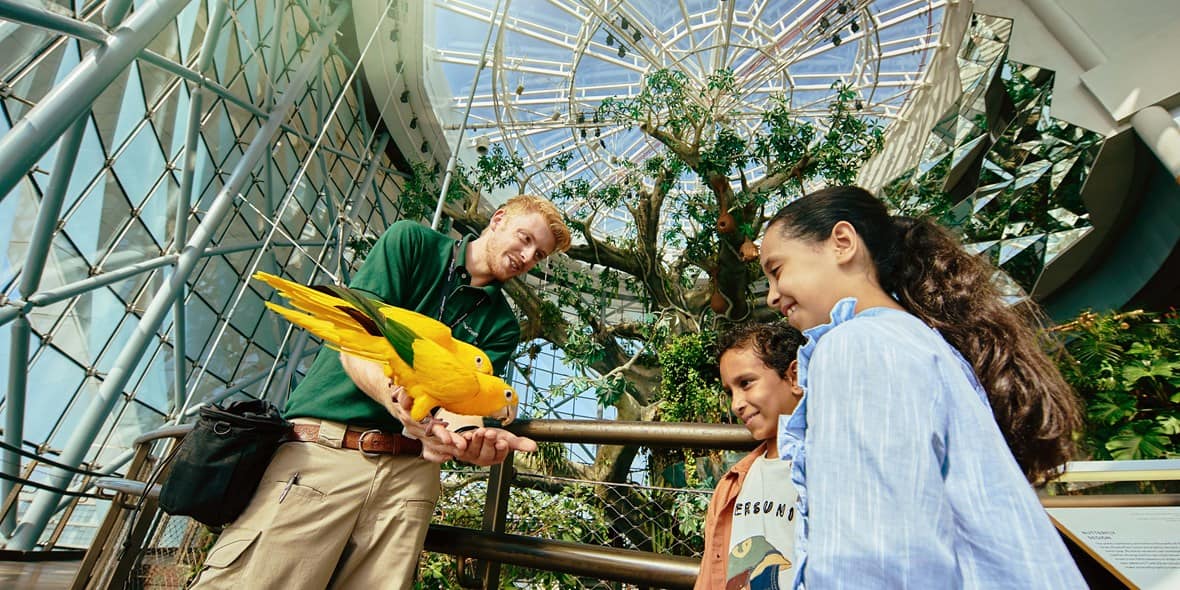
{"points": [[1126, 367]]}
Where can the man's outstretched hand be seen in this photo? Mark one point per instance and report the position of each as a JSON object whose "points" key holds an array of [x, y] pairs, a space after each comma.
{"points": [[481, 446]]}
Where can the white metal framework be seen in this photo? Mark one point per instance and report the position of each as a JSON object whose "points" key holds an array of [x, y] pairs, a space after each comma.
{"points": [[554, 61]]}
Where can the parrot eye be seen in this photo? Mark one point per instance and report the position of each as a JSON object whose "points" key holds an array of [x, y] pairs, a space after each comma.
{"points": [[478, 361], [507, 394]]}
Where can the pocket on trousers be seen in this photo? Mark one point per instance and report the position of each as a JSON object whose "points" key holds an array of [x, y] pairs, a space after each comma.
{"points": [[418, 511], [230, 547]]}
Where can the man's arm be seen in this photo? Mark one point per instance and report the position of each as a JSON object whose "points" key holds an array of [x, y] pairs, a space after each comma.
{"points": [[438, 444], [481, 446]]}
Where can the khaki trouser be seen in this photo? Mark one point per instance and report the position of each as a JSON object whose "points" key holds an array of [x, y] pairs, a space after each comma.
{"points": [[348, 521]]}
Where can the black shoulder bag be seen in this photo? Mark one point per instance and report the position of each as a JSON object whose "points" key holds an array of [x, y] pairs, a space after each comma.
{"points": [[218, 465]]}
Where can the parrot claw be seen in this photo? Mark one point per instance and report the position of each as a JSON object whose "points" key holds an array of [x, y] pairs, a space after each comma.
{"points": [[430, 423]]}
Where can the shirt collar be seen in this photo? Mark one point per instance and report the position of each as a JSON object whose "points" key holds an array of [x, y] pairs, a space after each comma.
{"points": [[793, 427], [844, 310], [463, 276]]}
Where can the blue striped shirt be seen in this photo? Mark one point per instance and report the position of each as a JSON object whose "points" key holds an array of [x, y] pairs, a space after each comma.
{"points": [[904, 478]]}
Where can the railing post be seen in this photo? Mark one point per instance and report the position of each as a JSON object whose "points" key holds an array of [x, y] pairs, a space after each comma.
{"points": [[495, 514]]}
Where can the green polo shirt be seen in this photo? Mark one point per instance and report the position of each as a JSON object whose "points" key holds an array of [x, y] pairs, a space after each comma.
{"points": [[409, 267]]}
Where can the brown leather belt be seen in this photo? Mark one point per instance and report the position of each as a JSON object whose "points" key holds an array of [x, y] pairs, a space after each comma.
{"points": [[368, 442]]}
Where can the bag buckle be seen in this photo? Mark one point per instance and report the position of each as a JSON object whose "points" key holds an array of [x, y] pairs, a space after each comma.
{"points": [[360, 443]]}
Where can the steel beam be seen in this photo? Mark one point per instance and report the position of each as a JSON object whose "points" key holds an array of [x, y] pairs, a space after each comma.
{"points": [[38, 514], [240, 385], [16, 307], [16, 12], [184, 202], [14, 413], [114, 11], [30, 280], [446, 183], [36, 132]]}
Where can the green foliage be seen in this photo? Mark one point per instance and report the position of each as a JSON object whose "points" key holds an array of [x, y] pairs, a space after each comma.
{"points": [[690, 387], [499, 169], [420, 194], [358, 246], [572, 515], [849, 141], [788, 139], [726, 150], [1126, 367]]}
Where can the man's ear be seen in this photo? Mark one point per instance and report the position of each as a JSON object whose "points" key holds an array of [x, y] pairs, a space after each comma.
{"points": [[844, 241], [793, 379], [497, 218]]}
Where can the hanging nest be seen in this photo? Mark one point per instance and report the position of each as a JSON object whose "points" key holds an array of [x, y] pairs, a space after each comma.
{"points": [[718, 302], [749, 251], [726, 223]]}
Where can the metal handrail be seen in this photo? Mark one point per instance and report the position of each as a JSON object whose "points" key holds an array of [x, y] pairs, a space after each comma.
{"points": [[606, 563], [686, 435], [174, 431], [493, 546]]}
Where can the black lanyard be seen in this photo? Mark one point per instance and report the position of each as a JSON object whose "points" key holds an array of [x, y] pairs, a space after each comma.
{"points": [[450, 287]]}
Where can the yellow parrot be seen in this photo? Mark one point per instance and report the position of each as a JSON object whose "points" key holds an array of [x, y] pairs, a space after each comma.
{"points": [[448, 374], [320, 302]]}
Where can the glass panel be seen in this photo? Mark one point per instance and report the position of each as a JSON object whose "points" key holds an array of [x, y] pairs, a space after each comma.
{"points": [[167, 43], [66, 424], [120, 108], [127, 422], [217, 283], [152, 380], [171, 121], [138, 170], [69, 59], [117, 343], [94, 222], [199, 325], [87, 516], [191, 24], [53, 380], [88, 164], [250, 308], [227, 355], [270, 331], [205, 390], [33, 85], [17, 216]]}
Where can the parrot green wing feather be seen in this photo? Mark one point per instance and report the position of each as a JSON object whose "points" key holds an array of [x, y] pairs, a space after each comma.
{"points": [[368, 314]]}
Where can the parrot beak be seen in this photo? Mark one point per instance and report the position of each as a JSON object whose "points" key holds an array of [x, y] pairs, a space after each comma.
{"points": [[506, 415]]}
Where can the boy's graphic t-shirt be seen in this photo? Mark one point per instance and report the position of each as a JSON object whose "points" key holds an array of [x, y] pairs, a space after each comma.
{"points": [[762, 544]]}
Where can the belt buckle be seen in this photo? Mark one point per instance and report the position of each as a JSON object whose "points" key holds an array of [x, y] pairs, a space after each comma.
{"points": [[360, 443]]}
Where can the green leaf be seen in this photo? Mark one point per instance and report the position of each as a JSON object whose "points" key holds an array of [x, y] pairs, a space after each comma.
{"points": [[1112, 407], [1168, 424], [1153, 368], [1141, 439]]}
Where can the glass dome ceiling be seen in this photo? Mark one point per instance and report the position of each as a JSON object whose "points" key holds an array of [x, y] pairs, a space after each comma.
{"points": [[550, 64]]}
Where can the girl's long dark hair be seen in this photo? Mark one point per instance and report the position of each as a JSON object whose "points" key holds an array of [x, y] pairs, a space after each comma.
{"points": [[930, 274]]}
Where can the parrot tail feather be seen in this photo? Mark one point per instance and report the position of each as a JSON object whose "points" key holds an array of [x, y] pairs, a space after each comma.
{"points": [[365, 321]]}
